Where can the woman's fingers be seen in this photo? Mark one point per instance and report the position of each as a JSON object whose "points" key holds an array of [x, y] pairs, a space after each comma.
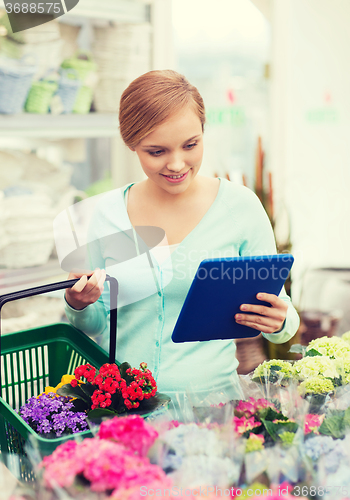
{"points": [[260, 323], [73, 275], [263, 318], [95, 283], [80, 285], [101, 281], [87, 290]]}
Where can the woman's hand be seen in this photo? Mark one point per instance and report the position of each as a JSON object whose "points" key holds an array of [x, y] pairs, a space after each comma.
{"points": [[85, 291], [265, 319]]}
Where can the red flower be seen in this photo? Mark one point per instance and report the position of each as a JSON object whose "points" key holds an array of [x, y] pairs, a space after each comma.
{"points": [[108, 381]]}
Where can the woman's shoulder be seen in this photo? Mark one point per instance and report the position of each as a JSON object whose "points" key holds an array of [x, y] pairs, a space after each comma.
{"points": [[109, 209], [111, 199], [235, 195]]}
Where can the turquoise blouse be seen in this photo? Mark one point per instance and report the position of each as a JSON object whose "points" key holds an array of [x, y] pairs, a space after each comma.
{"points": [[151, 297]]}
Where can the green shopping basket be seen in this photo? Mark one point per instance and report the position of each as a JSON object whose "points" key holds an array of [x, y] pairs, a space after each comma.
{"points": [[36, 358]]}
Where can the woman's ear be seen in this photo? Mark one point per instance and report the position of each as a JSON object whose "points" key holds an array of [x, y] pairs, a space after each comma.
{"points": [[131, 149]]}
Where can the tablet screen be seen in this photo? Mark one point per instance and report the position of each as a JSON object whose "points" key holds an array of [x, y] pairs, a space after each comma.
{"points": [[220, 287]]}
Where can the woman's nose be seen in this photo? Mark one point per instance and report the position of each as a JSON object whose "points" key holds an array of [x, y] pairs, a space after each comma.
{"points": [[176, 164]]}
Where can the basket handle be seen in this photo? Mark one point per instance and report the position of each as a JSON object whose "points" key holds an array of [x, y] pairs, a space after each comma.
{"points": [[51, 287]]}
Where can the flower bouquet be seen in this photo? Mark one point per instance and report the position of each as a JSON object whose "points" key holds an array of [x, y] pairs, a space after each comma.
{"points": [[322, 374], [113, 390], [274, 371], [53, 415], [262, 424], [111, 465], [92, 394], [195, 454]]}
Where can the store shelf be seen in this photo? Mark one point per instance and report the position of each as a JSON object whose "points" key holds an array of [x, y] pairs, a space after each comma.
{"points": [[13, 280], [59, 126]]}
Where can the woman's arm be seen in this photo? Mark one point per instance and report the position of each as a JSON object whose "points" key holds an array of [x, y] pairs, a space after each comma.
{"points": [[83, 308], [279, 322], [86, 301]]}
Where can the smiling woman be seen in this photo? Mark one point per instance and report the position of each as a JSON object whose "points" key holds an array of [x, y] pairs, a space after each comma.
{"points": [[172, 154], [162, 120]]}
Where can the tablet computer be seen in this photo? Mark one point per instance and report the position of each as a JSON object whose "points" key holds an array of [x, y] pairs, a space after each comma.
{"points": [[220, 287]]}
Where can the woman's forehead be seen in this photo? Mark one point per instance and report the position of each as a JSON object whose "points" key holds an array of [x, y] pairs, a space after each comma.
{"points": [[181, 127]]}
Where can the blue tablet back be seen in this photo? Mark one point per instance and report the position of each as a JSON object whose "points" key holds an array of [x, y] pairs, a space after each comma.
{"points": [[220, 287]]}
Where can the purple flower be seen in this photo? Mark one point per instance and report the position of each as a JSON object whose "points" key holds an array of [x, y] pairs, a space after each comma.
{"points": [[50, 413]]}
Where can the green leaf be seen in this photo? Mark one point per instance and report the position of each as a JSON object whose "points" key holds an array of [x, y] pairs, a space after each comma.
{"points": [[271, 414], [73, 392], [271, 428], [88, 389], [297, 348], [256, 430], [287, 427], [312, 353], [80, 405], [148, 405], [275, 368], [333, 426], [275, 429], [346, 419], [122, 369], [259, 380], [101, 412]]}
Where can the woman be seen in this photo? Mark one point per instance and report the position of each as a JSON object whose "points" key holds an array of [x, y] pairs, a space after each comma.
{"points": [[162, 120]]}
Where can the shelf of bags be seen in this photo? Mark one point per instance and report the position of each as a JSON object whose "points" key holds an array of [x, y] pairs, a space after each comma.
{"points": [[13, 280], [124, 11], [59, 126]]}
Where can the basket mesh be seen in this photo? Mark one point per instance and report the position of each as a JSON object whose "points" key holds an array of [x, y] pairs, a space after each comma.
{"points": [[30, 361]]}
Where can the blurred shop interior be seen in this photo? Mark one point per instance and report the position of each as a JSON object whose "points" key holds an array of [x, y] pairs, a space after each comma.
{"points": [[275, 78]]}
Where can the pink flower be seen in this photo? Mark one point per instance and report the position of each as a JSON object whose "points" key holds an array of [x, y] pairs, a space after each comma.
{"points": [[252, 406], [245, 408], [131, 431], [243, 424], [105, 464], [262, 403], [62, 466], [257, 437], [312, 423]]}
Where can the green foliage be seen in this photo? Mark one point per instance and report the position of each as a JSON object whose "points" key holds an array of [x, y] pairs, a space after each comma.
{"points": [[73, 392], [98, 413], [337, 424], [312, 353], [276, 428]]}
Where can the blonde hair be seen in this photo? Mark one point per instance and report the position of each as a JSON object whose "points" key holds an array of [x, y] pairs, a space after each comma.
{"points": [[150, 99]]}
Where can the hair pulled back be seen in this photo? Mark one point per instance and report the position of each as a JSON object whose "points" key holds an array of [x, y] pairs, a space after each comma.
{"points": [[150, 99]]}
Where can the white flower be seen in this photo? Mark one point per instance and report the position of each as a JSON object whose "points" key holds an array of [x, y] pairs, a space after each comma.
{"points": [[312, 366], [334, 347], [190, 439], [346, 336]]}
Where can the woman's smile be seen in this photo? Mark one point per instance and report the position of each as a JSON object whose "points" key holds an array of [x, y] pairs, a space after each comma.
{"points": [[176, 178]]}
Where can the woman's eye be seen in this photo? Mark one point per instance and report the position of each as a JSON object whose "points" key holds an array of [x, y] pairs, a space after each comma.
{"points": [[191, 146], [155, 153]]}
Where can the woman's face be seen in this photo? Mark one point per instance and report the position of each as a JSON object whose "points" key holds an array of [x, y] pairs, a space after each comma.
{"points": [[172, 154]]}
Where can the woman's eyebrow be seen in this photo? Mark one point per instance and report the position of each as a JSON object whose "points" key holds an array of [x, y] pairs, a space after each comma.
{"points": [[162, 147], [192, 138]]}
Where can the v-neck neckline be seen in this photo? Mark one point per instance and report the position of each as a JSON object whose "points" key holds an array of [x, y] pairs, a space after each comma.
{"points": [[200, 223]]}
